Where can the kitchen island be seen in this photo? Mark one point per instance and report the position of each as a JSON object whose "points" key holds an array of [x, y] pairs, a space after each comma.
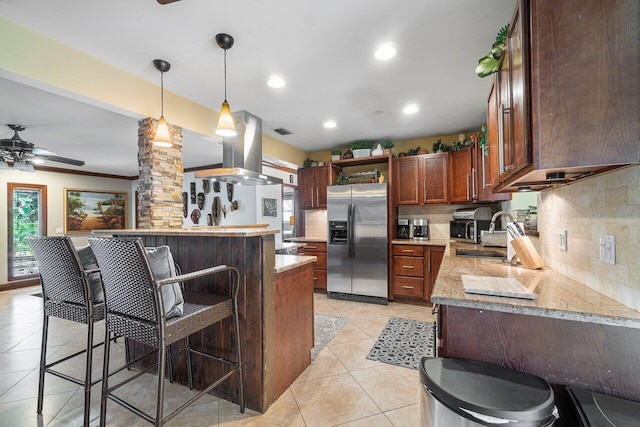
{"points": [[262, 305], [569, 334]]}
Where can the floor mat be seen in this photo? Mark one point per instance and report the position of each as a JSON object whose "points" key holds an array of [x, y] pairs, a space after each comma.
{"points": [[403, 342], [326, 328]]}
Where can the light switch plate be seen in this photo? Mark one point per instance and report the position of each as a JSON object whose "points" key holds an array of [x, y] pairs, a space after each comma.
{"points": [[608, 249], [562, 240]]}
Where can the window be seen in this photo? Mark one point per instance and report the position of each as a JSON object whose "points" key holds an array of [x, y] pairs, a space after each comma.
{"points": [[288, 212], [27, 216]]}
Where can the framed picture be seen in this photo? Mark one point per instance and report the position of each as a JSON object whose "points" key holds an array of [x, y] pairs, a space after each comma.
{"points": [[269, 207], [87, 210]]}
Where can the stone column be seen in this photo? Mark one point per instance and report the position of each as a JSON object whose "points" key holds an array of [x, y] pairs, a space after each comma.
{"points": [[160, 178]]}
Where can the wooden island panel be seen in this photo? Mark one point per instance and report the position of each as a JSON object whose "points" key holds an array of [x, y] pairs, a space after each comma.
{"points": [[294, 326]]}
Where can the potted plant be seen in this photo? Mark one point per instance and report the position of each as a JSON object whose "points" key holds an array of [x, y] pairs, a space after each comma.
{"points": [[361, 149], [335, 154], [387, 145]]}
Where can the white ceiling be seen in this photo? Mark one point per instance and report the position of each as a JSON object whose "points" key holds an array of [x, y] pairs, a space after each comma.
{"points": [[324, 50]]}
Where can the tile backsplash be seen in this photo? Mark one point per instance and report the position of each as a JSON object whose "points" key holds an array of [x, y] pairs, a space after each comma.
{"points": [[607, 204], [315, 223]]}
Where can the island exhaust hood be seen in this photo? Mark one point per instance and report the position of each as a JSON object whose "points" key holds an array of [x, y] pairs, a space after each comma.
{"points": [[242, 155]]}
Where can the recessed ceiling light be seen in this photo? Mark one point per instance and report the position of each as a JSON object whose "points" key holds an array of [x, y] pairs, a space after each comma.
{"points": [[411, 109], [386, 51], [330, 124], [377, 112], [276, 82]]}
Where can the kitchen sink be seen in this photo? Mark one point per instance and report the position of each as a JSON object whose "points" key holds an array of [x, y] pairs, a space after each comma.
{"points": [[471, 253]]}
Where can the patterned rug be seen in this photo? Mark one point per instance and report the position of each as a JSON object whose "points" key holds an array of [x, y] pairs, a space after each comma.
{"points": [[326, 328], [403, 342]]}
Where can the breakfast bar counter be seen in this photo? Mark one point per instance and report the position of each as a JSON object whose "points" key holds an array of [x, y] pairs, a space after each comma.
{"points": [[251, 249], [568, 334]]}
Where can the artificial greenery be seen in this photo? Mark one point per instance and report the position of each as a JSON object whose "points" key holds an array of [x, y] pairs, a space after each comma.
{"points": [[361, 145], [307, 162], [490, 63], [387, 144], [336, 152], [483, 139]]}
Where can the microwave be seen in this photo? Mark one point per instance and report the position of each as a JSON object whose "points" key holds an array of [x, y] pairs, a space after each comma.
{"points": [[467, 229]]}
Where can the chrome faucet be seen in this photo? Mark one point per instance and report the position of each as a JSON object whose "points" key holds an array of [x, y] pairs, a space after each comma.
{"points": [[492, 225]]}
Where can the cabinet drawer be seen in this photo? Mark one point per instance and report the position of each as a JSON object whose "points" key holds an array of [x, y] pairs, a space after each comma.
{"points": [[408, 286], [314, 247], [321, 262], [408, 266], [408, 250]]}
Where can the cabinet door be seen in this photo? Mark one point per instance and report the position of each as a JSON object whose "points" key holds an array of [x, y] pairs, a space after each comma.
{"points": [[434, 178], [320, 182], [406, 180], [518, 65], [434, 259], [460, 175], [306, 191]]}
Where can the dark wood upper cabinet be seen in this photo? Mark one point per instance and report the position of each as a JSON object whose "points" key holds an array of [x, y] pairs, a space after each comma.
{"points": [[567, 91], [312, 187], [461, 176], [421, 179]]}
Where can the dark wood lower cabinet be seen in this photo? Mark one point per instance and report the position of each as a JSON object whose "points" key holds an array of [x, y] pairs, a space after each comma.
{"points": [[597, 357], [415, 268]]}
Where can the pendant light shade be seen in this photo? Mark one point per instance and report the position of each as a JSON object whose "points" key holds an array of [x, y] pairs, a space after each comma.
{"points": [[162, 137], [226, 125]]}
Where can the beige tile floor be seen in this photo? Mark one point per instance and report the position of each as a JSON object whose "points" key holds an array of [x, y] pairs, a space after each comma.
{"points": [[340, 388]]}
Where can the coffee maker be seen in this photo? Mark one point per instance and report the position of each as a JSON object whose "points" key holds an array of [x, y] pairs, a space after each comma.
{"points": [[403, 229], [420, 229]]}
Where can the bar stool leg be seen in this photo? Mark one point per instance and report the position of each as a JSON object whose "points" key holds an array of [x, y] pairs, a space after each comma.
{"points": [[43, 361], [189, 366], [162, 364], [87, 375], [240, 390], [105, 377]]}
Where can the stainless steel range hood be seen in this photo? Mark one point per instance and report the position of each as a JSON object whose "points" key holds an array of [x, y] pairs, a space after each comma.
{"points": [[242, 155]]}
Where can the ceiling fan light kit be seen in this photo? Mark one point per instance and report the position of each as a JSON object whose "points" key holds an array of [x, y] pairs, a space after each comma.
{"points": [[162, 137], [226, 125]]}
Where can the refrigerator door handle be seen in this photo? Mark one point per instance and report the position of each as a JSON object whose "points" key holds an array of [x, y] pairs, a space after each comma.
{"points": [[350, 223]]}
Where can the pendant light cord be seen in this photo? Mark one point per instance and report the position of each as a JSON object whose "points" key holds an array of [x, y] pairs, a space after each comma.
{"points": [[225, 75], [162, 94]]}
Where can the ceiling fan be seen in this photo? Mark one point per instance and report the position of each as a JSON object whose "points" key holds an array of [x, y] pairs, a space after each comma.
{"points": [[22, 153]]}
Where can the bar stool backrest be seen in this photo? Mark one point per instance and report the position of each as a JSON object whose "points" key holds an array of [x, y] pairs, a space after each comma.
{"points": [[129, 288], [60, 270]]}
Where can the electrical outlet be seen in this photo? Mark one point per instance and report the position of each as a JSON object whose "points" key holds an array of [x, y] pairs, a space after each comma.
{"points": [[562, 240], [608, 249], [59, 230]]}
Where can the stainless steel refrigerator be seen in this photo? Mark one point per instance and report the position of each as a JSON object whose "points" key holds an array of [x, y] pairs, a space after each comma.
{"points": [[357, 240]]}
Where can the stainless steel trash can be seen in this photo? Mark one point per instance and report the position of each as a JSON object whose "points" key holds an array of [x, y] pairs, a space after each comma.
{"points": [[466, 393], [591, 409]]}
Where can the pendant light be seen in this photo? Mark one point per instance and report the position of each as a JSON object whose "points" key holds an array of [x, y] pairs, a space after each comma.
{"points": [[226, 125], [163, 137]]}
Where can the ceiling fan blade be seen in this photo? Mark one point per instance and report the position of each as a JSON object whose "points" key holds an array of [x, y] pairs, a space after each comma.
{"points": [[166, 1], [63, 160], [43, 152]]}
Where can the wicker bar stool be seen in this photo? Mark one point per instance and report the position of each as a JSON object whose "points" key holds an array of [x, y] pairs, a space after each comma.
{"points": [[69, 292], [135, 310]]}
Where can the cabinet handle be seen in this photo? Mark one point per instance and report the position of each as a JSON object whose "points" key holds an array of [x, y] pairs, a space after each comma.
{"points": [[311, 191], [468, 196], [407, 287], [501, 139], [473, 183], [311, 247], [408, 250], [315, 278], [318, 196], [410, 267], [484, 181]]}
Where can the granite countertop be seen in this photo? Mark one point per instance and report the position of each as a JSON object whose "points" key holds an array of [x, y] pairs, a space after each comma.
{"points": [[289, 262], [556, 296], [289, 245], [251, 230], [433, 242], [308, 239]]}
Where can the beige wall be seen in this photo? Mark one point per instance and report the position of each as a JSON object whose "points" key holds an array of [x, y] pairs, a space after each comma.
{"points": [[606, 204], [55, 183]]}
